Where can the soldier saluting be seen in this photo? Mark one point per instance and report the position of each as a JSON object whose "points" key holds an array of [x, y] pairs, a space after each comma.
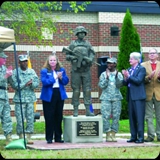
{"points": [[81, 62]]}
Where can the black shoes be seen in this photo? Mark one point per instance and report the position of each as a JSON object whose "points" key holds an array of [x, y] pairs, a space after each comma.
{"points": [[131, 140], [59, 141], [149, 139], [135, 140], [139, 141], [49, 141]]}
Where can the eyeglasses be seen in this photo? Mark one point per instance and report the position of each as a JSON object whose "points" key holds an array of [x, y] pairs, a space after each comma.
{"points": [[152, 53]]}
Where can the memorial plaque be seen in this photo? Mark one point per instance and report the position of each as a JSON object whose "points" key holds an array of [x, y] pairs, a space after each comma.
{"points": [[88, 128]]}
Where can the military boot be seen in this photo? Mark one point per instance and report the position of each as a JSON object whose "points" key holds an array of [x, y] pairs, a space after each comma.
{"points": [[108, 137], [8, 139], [29, 140], [75, 112], [88, 112], [113, 136]]}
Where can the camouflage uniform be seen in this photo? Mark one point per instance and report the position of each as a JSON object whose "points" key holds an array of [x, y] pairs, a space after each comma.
{"points": [[81, 75], [28, 97], [5, 109], [110, 100]]}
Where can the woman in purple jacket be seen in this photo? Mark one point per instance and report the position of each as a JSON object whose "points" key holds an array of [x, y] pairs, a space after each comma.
{"points": [[53, 77]]}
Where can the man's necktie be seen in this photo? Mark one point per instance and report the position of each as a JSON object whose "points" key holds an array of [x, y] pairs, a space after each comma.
{"points": [[131, 73]]}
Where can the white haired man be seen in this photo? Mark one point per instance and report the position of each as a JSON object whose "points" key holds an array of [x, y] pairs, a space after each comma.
{"points": [[152, 85], [136, 95]]}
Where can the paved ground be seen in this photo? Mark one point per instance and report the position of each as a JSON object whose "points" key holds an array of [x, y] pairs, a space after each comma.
{"points": [[121, 142]]}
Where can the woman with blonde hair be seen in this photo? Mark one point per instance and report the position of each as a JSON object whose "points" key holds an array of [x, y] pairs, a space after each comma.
{"points": [[53, 77]]}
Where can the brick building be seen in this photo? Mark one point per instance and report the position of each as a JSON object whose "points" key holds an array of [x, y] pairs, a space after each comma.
{"points": [[98, 19]]}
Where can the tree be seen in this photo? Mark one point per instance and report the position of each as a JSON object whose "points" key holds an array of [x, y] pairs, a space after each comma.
{"points": [[31, 18], [129, 42]]}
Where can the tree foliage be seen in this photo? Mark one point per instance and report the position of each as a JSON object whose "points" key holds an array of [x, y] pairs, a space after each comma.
{"points": [[31, 18], [129, 42]]}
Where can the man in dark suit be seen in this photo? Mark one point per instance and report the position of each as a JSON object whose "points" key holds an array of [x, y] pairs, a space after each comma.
{"points": [[136, 95]]}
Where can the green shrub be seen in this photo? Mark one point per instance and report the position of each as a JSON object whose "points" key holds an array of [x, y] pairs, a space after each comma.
{"points": [[129, 42]]}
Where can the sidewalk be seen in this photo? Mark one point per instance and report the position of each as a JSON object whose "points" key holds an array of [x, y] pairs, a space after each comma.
{"points": [[121, 142], [37, 136]]}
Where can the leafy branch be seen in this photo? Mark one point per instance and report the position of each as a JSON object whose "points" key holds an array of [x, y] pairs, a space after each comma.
{"points": [[30, 19]]}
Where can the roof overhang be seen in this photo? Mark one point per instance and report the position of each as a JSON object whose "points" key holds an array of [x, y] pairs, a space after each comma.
{"points": [[144, 7], [6, 37]]}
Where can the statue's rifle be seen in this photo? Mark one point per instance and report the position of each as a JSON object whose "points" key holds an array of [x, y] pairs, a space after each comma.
{"points": [[79, 56]]}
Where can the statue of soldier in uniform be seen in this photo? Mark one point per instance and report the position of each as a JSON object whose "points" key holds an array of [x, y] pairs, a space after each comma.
{"points": [[81, 55]]}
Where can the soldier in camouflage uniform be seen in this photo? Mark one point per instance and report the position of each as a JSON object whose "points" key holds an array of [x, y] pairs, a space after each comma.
{"points": [[110, 82], [81, 75], [28, 82], [5, 108]]}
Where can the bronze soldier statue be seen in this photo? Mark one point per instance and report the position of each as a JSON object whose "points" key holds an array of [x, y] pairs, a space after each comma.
{"points": [[81, 55]]}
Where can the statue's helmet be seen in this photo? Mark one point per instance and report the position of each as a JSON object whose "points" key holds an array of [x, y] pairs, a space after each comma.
{"points": [[80, 29]]}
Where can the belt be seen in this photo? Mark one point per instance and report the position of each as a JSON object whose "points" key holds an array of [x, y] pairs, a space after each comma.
{"points": [[1, 87]]}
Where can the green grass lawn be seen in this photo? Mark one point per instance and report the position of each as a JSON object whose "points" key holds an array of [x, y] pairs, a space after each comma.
{"points": [[87, 153], [39, 127]]}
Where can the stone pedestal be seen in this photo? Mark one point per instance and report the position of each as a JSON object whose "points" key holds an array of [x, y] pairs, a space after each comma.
{"points": [[82, 129]]}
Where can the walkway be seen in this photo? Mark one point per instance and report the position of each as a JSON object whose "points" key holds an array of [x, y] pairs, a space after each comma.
{"points": [[40, 143], [121, 142]]}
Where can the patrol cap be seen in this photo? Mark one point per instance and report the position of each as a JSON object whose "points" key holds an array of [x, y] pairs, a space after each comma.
{"points": [[2, 55], [111, 60], [23, 57]]}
